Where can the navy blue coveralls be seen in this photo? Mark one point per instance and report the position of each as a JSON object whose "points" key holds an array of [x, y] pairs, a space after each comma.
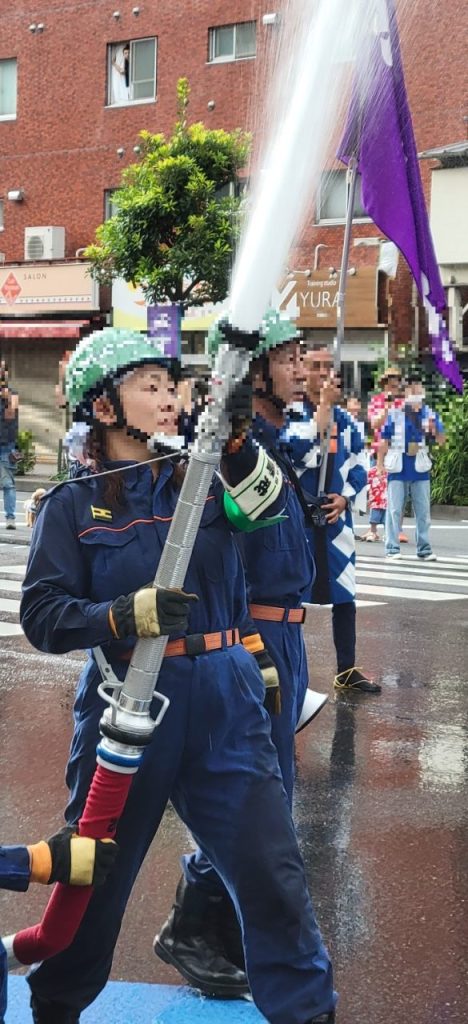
{"points": [[14, 874], [280, 572], [212, 755]]}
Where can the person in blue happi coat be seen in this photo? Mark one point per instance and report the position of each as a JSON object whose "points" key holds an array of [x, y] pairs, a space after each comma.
{"points": [[65, 858], [96, 546], [280, 573], [407, 435], [333, 543]]}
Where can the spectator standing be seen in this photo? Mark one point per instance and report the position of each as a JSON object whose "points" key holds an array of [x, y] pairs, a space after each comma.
{"points": [[354, 408], [9, 406], [390, 396], [377, 500], [406, 435]]}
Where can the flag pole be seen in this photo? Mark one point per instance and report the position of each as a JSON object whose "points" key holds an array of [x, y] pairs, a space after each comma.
{"points": [[351, 182]]}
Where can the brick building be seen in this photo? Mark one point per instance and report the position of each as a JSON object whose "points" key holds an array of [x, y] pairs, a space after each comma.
{"points": [[70, 113]]}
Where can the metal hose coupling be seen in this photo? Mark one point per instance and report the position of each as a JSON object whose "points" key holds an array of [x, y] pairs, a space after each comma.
{"points": [[126, 725]]}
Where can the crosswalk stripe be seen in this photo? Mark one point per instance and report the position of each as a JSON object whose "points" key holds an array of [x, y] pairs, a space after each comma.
{"points": [[442, 581], [359, 604], [434, 526], [6, 605], [13, 586], [10, 629], [8, 586], [450, 568], [419, 595], [441, 560]]}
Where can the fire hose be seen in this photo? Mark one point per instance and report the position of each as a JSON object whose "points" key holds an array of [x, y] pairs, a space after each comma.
{"points": [[126, 725]]}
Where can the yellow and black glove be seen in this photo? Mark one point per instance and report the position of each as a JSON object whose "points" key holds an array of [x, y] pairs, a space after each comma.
{"points": [[151, 611], [253, 643], [270, 677], [72, 859]]}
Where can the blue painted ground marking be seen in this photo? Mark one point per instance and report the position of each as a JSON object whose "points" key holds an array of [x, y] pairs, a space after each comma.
{"points": [[125, 1003]]}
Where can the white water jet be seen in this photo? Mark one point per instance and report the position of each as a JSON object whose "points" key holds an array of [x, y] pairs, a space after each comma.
{"points": [[311, 85]]}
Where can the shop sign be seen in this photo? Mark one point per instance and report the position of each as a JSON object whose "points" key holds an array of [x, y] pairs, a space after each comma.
{"points": [[312, 298], [30, 289]]}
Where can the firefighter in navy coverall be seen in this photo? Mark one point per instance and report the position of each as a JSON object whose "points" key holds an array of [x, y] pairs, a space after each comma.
{"points": [[65, 858], [200, 931], [95, 548]]}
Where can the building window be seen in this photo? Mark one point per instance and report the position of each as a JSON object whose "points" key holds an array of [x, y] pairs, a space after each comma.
{"points": [[110, 205], [131, 72], [7, 89], [232, 190], [332, 199], [232, 42]]}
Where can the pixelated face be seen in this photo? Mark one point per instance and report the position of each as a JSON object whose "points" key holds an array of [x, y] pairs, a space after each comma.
{"points": [[415, 394], [392, 383], [286, 366], [150, 400], [318, 366], [353, 406]]}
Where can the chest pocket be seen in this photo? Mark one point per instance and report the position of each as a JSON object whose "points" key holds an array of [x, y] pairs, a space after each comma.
{"points": [[215, 545], [288, 535], [117, 561]]}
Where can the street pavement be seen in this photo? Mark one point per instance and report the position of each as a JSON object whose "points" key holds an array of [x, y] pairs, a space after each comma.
{"points": [[381, 803]]}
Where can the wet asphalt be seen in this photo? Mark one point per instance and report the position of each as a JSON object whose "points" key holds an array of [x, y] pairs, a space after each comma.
{"points": [[381, 804]]}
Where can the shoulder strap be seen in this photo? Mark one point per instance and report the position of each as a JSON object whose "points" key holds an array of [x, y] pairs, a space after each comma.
{"points": [[285, 463]]}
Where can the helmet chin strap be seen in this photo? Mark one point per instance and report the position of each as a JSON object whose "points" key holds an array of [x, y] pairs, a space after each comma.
{"points": [[158, 443], [268, 392], [161, 443], [120, 420]]}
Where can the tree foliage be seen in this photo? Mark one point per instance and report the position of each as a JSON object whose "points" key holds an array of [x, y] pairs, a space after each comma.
{"points": [[172, 234], [449, 484]]}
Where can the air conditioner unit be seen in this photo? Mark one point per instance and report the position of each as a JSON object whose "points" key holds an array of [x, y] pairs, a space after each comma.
{"points": [[45, 243]]}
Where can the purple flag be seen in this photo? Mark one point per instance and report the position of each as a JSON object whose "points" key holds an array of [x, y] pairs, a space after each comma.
{"points": [[379, 134]]}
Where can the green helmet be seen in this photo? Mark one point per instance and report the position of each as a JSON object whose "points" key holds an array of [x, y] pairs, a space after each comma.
{"points": [[103, 354], [275, 329]]}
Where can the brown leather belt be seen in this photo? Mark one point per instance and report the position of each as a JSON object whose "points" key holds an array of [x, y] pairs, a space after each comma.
{"points": [[196, 643], [268, 613]]}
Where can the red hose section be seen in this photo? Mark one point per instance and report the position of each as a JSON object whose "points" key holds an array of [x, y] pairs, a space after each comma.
{"points": [[67, 905]]}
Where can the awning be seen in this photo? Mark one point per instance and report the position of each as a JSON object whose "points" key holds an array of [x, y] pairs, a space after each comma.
{"points": [[42, 329]]}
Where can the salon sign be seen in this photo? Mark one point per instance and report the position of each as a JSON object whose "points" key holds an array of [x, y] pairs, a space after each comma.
{"points": [[28, 289]]}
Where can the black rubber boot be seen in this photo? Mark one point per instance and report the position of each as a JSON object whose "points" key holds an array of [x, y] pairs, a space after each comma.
{"points": [[230, 931], [190, 941], [44, 1012]]}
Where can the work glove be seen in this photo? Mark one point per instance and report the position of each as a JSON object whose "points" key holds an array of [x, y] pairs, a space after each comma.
{"points": [[151, 611], [72, 859], [272, 701]]}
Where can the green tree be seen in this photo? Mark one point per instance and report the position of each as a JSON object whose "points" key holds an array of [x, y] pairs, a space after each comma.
{"points": [[449, 485], [173, 233]]}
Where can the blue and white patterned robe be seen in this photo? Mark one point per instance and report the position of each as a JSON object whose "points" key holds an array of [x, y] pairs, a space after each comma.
{"points": [[333, 546]]}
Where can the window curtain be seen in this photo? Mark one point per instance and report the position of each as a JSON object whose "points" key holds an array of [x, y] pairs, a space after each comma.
{"points": [[119, 91]]}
